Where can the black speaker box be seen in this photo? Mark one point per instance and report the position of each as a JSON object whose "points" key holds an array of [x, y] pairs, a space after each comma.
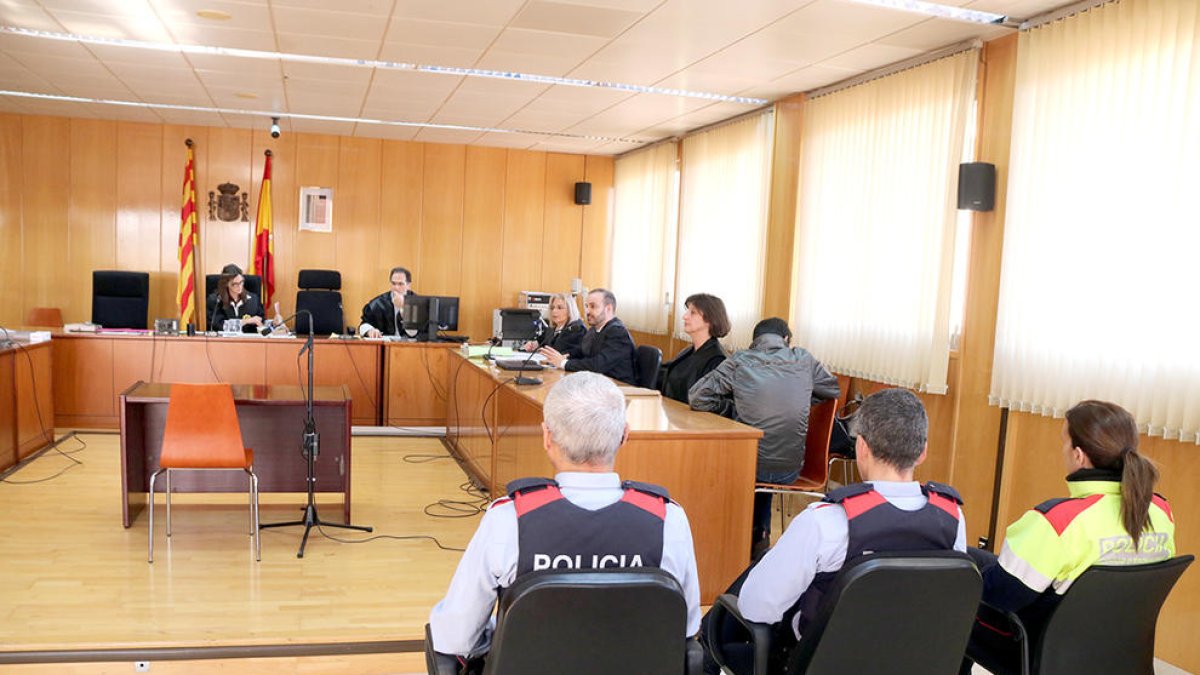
{"points": [[583, 193], [977, 186]]}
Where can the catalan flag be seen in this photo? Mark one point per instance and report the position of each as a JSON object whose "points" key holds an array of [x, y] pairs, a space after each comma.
{"points": [[264, 247], [189, 236]]}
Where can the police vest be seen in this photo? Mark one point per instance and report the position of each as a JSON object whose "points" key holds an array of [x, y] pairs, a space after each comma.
{"points": [[875, 525], [555, 534]]}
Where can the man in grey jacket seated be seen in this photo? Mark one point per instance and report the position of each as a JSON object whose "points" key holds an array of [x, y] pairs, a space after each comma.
{"points": [[769, 386]]}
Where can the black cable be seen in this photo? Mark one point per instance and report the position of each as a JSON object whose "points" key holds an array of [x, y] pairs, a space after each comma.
{"points": [[423, 459], [406, 537], [483, 409], [441, 394], [454, 402], [361, 380], [74, 462]]}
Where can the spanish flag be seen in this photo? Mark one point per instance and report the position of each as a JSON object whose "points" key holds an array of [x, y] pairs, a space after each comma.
{"points": [[189, 236], [264, 246]]}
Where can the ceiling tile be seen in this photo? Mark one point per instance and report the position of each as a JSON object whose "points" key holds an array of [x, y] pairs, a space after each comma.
{"points": [[130, 20], [500, 140], [326, 72], [230, 38], [581, 99], [1019, 9], [491, 13], [937, 33], [322, 127], [616, 148], [387, 131], [325, 90], [454, 57], [231, 68], [814, 77], [186, 117], [242, 15], [543, 119], [143, 57], [845, 22], [567, 145], [252, 81], [21, 44], [441, 33], [27, 15], [869, 57], [696, 80], [321, 25], [372, 7], [560, 17], [311, 45]]}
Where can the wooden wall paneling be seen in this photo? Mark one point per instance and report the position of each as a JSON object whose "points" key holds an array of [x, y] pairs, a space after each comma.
{"points": [[174, 157], [284, 207], [596, 249], [227, 160], [416, 385], [442, 220], [403, 184], [524, 205], [335, 363], [562, 240], [83, 379], [977, 429], [781, 214], [139, 211], [91, 212], [8, 409], [483, 233], [35, 399], [44, 211], [317, 166], [358, 229], [938, 461], [12, 188]]}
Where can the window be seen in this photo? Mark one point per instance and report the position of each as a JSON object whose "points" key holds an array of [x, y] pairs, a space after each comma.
{"points": [[644, 231]]}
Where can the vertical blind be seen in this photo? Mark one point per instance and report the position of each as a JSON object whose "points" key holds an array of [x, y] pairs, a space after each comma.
{"points": [[645, 222], [875, 222], [723, 219], [1098, 291]]}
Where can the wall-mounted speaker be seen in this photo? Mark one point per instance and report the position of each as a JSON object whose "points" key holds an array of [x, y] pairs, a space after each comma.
{"points": [[583, 193], [976, 186]]}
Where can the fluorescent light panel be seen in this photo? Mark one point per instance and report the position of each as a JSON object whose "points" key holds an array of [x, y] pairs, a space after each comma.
{"points": [[300, 116], [372, 63], [940, 11]]}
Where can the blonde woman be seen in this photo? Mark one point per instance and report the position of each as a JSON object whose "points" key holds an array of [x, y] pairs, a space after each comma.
{"points": [[565, 331]]}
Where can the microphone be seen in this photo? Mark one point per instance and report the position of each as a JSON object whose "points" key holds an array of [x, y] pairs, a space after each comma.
{"points": [[527, 380], [213, 317], [492, 343], [267, 331]]}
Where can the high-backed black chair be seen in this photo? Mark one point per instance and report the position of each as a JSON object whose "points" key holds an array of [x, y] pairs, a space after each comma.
{"points": [[593, 622], [120, 299], [648, 361], [1104, 623], [320, 293], [884, 614]]}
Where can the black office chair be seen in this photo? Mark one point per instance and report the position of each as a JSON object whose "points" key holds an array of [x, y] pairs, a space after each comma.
{"points": [[253, 285], [320, 293], [120, 299], [648, 361], [884, 614], [591, 622], [1104, 623]]}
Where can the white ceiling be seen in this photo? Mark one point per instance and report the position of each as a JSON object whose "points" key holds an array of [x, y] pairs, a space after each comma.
{"points": [[754, 48]]}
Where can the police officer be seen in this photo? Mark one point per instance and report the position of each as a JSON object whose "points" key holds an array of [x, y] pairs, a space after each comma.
{"points": [[585, 518], [887, 512]]}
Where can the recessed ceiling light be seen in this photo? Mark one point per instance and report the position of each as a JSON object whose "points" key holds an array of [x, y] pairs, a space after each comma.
{"points": [[940, 11], [382, 65], [214, 15], [247, 95]]}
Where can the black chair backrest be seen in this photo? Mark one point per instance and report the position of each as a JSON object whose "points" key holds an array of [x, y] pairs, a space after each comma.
{"points": [[319, 294], [648, 360], [253, 284], [596, 621], [120, 299], [893, 613], [1086, 635]]}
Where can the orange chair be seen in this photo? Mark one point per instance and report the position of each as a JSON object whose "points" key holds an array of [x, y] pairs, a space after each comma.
{"points": [[202, 432], [44, 317], [814, 476]]}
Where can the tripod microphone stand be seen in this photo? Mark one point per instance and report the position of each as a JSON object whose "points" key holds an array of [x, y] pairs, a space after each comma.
{"points": [[310, 449]]}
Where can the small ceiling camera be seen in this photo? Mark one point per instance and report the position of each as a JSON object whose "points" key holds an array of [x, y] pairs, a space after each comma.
{"points": [[274, 127]]}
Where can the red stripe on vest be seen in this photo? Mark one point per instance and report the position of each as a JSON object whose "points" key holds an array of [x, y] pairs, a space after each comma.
{"points": [[646, 502], [1159, 501], [529, 501], [500, 502], [944, 503], [1062, 514], [859, 504]]}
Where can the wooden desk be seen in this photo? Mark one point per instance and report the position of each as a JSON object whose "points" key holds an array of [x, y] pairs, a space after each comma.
{"points": [[271, 418], [91, 370], [706, 461], [26, 401], [414, 383]]}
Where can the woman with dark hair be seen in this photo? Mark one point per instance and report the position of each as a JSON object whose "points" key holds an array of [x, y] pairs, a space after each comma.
{"points": [[704, 321], [232, 301], [1113, 517], [566, 329]]}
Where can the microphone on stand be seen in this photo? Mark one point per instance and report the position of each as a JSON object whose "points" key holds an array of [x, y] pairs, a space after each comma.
{"points": [[521, 379]]}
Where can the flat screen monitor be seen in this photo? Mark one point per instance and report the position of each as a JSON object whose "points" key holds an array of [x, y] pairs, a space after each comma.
{"points": [[520, 324], [425, 315]]}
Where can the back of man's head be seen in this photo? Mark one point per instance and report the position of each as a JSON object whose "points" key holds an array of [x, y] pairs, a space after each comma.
{"points": [[585, 413], [774, 326], [894, 425]]}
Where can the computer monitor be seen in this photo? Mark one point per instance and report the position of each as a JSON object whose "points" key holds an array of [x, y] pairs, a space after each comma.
{"points": [[517, 324], [425, 315]]}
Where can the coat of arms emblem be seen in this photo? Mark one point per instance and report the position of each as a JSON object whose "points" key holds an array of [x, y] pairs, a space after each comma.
{"points": [[228, 206]]}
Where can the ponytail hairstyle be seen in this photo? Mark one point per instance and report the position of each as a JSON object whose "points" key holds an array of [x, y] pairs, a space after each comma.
{"points": [[1107, 434]]}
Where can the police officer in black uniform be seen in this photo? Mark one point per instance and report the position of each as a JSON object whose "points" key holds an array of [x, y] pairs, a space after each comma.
{"points": [[585, 518]]}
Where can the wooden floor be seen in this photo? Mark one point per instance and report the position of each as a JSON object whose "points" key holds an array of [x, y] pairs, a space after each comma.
{"points": [[75, 579]]}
